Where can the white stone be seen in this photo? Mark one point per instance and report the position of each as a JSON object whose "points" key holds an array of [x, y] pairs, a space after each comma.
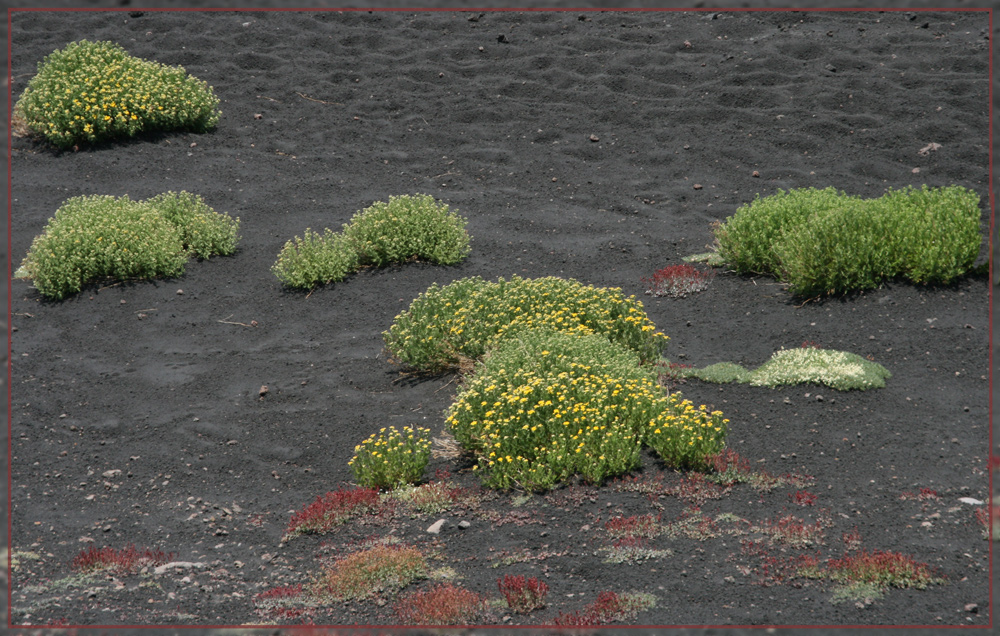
{"points": [[436, 527], [971, 501]]}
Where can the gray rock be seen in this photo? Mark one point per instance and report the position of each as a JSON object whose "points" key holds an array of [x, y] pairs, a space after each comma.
{"points": [[436, 527]]}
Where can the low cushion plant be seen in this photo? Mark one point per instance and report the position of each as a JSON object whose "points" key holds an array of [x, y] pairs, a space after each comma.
{"points": [[826, 242], [462, 320], [836, 369], [95, 237], [547, 405], [403, 229], [90, 92]]}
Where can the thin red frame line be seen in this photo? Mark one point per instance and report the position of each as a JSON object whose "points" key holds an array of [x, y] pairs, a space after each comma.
{"points": [[10, 12], [514, 9], [989, 285], [10, 327]]}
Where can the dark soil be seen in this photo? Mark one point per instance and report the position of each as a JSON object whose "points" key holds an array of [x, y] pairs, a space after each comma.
{"points": [[594, 146]]}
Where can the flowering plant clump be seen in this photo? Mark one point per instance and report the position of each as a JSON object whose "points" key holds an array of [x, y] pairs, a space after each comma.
{"points": [[94, 91], [392, 458], [443, 604], [550, 405], [464, 319], [331, 510], [402, 229], [125, 561], [523, 595], [93, 237], [677, 281], [383, 568]]}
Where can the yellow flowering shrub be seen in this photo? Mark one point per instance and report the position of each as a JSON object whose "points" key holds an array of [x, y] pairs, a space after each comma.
{"points": [[469, 316], [549, 405], [94, 237], [392, 458], [94, 91]]}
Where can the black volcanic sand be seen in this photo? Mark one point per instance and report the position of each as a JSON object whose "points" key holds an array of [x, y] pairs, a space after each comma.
{"points": [[596, 146]]}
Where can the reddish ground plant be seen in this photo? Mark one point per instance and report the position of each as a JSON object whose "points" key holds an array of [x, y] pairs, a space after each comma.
{"points": [[633, 526], [925, 494], [670, 374], [729, 467], [803, 498], [650, 484], [774, 570], [852, 540], [524, 595], [983, 518], [809, 344], [365, 573], [608, 607], [792, 531], [443, 604], [331, 510], [439, 495], [284, 603], [879, 569], [692, 524], [677, 281], [696, 489], [125, 561]]}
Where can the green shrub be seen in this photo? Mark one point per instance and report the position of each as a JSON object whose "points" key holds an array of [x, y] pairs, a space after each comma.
{"points": [[94, 237], [204, 232], [405, 228], [824, 242], [94, 91], [392, 458], [408, 227], [315, 259], [445, 325], [548, 405], [747, 239], [836, 369]]}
